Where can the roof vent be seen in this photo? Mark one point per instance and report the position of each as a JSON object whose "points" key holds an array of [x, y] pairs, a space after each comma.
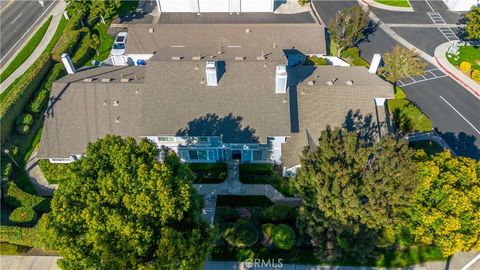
{"points": [[211, 73], [261, 58], [88, 80], [248, 30], [303, 92], [311, 82], [285, 100], [105, 80], [350, 82], [202, 81], [239, 58], [117, 120], [125, 80], [176, 58], [330, 83], [264, 64], [274, 45], [137, 91], [105, 102], [151, 30], [196, 67], [281, 79], [116, 103], [196, 58]]}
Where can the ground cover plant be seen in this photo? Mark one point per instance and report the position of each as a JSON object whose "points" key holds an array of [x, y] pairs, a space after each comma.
{"points": [[394, 3]]}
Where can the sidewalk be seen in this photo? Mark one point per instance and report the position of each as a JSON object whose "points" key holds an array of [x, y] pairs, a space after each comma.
{"points": [[37, 178], [57, 13], [441, 58]]}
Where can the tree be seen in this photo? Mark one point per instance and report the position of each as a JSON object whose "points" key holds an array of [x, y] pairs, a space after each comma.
{"points": [[447, 206], [353, 188], [100, 8], [472, 19], [347, 29], [283, 236], [400, 63], [123, 209]]}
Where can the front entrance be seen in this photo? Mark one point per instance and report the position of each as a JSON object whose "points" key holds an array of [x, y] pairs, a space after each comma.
{"points": [[236, 155]]}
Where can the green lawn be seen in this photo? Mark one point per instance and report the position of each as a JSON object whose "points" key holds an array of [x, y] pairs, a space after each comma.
{"points": [[26, 51], [11, 249], [407, 116], [394, 3], [469, 54], [106, 42]]}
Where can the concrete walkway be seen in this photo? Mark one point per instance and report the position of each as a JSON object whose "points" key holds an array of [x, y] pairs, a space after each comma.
{"points": [[57, 13], [292, 7], [233, 186], [37, 178], [441, 58]]}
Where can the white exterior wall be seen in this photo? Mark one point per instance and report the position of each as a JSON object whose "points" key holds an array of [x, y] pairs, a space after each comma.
{"points": [[135, 57], [257, 5], [277, 148], [460, 5], [216, 5]]}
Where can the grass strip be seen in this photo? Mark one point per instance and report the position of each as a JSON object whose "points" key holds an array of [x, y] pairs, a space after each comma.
{"points": [[23, 55]]}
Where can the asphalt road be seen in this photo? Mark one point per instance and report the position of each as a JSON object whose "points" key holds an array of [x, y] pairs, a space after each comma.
{"points": [[454, 112], [17, 21]]}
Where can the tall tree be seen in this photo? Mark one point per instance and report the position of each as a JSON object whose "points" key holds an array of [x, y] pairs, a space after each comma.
{"points": [[400, 63], [347, 29], [447, 207], [472, 19], [352, 190], [123, 209]]}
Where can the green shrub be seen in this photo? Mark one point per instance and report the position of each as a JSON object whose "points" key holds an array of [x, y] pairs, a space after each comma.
{"points": [[23, 129], [352, 56], [267, 230], [242, 234], [316, 61], [209, 173], [14, 103], [263, 169], [283, 237], [476, 75], [229, 214], [15, 197], [279, 213], [54, 172], [39, 101], [24, 236], [84, 51], [7, 170], [407, 116], [399, 92], [23, 215], [243, 201], [25, 119]]}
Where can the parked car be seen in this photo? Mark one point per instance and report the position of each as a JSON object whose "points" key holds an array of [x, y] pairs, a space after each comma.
{"points": [[118, 47]]}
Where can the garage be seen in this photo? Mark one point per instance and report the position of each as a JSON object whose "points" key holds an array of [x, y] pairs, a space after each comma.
{"points": [[230, 6]]}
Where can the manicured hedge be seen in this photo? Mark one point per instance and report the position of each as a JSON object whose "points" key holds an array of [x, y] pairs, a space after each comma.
{"points": [[242, 234], [23, 129], [24, 236], [13, 104], [279, 213], [263, 169], [54, 172], [23, 215], [283, 237], [209, 173], [25, 119], [15, 197], [84, 51], [245, 201], [407, 116]]}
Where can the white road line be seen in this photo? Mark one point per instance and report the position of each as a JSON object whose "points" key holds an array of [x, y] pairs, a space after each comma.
{"points": [[17, 17], [429, 79], [460, 115], [26, 32], [429, 5]]}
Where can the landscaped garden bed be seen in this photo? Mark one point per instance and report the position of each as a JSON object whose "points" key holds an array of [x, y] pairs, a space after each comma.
{"points": [[266, 174], [466, 59], [430, 147], [394, 3], [208, 173]]}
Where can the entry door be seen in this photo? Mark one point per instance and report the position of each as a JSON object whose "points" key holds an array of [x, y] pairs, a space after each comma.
{"points": [[234, 6], [236, 154]]}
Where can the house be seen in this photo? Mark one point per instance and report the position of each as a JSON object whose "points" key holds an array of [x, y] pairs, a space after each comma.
{"points": [[213, 93], [461, 5]]}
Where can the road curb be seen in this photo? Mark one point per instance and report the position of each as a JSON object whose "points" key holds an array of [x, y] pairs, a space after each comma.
{"points": [[374, 4], [464, 84]]}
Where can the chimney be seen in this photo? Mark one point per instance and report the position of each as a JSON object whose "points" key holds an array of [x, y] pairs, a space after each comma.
{"points": [[67, 62], [211, 73], [281, 79], [375, 63]]}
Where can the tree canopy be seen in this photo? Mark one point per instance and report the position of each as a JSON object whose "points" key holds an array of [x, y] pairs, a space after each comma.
{"points": [[472, 28], [447, 206], [347, 29], [352, 190], [400, 63], [124, 209]]}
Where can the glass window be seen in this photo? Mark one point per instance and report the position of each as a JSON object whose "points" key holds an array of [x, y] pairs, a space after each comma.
{"points": [[119, 46], [202, 154], [203, 139], [193, 154], [166, 139], [257, 155]]}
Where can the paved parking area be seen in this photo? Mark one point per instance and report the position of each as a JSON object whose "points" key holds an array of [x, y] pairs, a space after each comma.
{"points": [[430, 74]]}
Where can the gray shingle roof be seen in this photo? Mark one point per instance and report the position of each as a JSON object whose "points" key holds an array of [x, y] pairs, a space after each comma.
{"points": [[206, 40]]}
